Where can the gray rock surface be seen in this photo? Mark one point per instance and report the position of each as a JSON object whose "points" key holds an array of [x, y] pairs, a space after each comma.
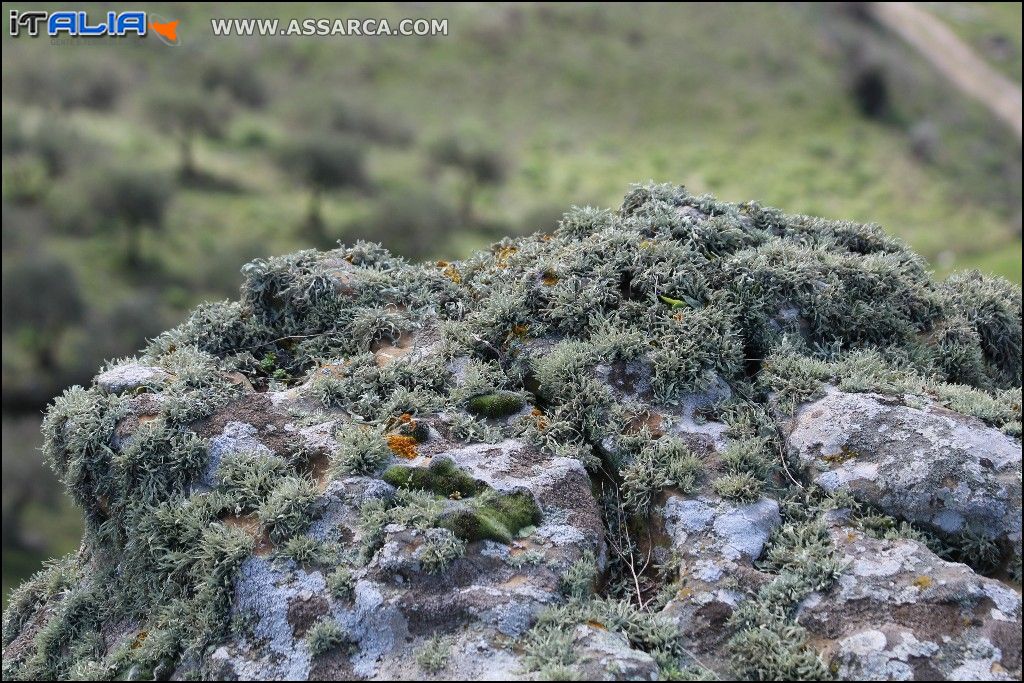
{"points": [[126, 378], [901, 613], [924, 464]]}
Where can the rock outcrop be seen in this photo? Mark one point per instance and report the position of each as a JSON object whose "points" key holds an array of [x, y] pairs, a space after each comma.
{"points": [[686, 439]]}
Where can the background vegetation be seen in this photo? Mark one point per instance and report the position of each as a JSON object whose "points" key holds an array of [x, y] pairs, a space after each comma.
{"points": [[138, 178]]}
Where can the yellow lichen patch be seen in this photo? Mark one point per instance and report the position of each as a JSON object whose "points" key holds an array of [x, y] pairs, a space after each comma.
{"points": [[923, 582], [684, 593], [843, 455], [539, 419], [518, 332], [402, 446], [502, 256], [139, 639], [450, 272]]}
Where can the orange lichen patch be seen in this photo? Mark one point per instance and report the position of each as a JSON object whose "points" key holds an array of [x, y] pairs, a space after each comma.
{"points": [[386, 353], [546, 237], [549, 279], [139, 639], [597, 624], [539, 419], [250, 524], [450, 272], [518, 332], [502, 256], [923, 582], [402, 446]]}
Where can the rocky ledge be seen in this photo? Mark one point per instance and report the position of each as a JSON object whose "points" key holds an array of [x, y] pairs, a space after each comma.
{"points": [[681, 440]]}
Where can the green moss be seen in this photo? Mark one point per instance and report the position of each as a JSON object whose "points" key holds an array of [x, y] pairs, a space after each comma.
{"points": [[494, 516], [496, 405], [480, 513], [441, 477]]}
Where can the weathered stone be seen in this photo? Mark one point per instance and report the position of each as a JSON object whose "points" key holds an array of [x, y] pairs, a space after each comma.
{"points": [[122, 379], [924, 464], [901, 613]]}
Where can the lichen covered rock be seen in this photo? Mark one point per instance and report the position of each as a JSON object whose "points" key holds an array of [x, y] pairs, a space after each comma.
{"points": [[684, 439]]}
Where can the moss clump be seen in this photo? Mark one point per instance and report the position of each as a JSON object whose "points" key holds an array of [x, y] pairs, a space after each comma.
{"points": [[434, 655], [480, 512], [496, 405], [494, 516], [441, 477]]}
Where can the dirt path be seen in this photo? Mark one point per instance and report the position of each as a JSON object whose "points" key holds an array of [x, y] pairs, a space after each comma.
{"points": [[953, 58]]}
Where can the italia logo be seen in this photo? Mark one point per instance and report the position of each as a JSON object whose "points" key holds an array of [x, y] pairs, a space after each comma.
{"points": [[81, 24]]}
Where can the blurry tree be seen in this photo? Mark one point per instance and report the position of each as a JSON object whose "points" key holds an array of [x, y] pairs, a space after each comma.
{"points": [[87, 82], [188, 115], [131, 199], [237, 78], [41, 300], [323, 163], [479, 162], [415, 224], [346, 116], [26, 480]]}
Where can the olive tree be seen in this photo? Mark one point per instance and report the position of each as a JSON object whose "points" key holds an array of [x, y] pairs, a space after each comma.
{"points": [[131, 200], [479, 162], [323, 163], [188, 115], [41, 301]]}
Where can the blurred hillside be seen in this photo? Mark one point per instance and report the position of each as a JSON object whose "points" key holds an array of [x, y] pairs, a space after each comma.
{"points": [[138, 178]]}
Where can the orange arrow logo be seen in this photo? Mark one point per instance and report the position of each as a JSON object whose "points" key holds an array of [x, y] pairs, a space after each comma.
{"points": [[168, 29]]}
